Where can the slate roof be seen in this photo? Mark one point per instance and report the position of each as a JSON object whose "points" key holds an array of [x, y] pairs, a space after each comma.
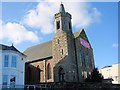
{"points": [[4, 47], [39, 51]]}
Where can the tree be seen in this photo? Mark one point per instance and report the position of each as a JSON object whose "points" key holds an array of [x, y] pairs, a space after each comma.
{"points": [[95, 76]]}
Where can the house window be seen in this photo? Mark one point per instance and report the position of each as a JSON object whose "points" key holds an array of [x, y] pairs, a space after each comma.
{"points": [[5, 79], [58, 24], [6, 60], [14, 61], [49, 76]]}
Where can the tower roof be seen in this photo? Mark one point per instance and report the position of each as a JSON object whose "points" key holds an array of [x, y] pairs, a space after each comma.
{"points": [[62, 9]]}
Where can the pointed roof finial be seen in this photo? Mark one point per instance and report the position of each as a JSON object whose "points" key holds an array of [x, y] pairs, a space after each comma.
{"points": [[61, 8], [61, 2], [12, 44]]}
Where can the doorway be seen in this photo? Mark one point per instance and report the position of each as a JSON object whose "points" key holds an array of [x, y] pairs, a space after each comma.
{"points": [[61, 74]]}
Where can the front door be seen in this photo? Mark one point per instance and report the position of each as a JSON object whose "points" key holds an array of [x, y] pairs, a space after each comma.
{"points": [[61, 75]]}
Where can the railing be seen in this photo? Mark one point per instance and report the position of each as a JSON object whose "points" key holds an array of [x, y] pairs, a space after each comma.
{"points": [[38, 87], [11, 87], [63, 86], [25, 87]]}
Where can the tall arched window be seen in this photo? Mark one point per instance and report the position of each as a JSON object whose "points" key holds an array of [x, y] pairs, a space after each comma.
{"points": [[38, 74], [61, 74], [49, 74]]}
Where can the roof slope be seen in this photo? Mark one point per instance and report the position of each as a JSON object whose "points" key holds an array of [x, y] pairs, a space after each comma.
{"points": [[39, 51], [4, 47]]}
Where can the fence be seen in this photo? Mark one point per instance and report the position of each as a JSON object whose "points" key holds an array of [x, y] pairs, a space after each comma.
{"points": [[64, 86]]}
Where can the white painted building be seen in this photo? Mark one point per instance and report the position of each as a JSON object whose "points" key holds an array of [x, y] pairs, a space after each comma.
{"points": [[111, 72], [12, 67]]}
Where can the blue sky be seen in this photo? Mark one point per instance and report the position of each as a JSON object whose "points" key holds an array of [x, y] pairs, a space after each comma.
{"points": [[99, 19]]}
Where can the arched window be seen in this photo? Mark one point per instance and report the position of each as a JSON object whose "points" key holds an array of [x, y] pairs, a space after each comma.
{"points": [[49, 76], [61, 74], [38, 74]]}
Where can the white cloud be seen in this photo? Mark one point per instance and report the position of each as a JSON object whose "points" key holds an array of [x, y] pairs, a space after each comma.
{"points": [[63, 0], [17, 33], [1, 32], [42, 16], [115, 45]]}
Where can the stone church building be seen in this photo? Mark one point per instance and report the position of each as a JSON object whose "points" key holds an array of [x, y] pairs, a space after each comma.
{"points": [[67, 57]]}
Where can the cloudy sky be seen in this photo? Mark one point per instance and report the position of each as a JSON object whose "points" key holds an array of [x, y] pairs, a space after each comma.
{"points": [[29, 23]]}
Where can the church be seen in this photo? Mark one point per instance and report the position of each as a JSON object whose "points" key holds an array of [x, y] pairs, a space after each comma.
{"points": [[68, 57]]}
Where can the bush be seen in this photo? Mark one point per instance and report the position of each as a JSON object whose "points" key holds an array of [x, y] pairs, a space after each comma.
{"points": [[95, 76]]}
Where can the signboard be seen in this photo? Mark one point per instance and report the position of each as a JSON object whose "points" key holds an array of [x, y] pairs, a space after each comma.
{"points": [[84, 43]]}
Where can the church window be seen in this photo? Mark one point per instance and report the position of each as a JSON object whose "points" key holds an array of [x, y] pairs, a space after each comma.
{"points": [[62, 51], [84, 60], [38, 74], [69, 25], [49, 76], [82, 57], [58, 24], [58, 41], [90, 62]]}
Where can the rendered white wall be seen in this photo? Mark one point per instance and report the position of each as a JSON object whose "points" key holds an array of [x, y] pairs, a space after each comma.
{"points": [[18, 71], [111, 72]]}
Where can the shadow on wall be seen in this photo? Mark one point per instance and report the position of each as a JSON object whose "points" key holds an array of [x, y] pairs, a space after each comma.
{"points": [[32, 74]]}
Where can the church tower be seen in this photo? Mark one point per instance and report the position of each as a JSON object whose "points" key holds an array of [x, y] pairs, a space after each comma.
{"points": [[62, 21], [63, 48]]}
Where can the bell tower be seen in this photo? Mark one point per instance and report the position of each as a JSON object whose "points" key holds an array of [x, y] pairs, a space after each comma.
{"points": [[63, 48], [62, 21]]}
